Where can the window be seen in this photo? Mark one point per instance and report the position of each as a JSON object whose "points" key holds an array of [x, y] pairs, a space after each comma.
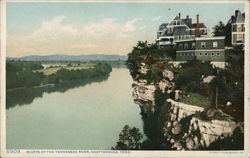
{"points": [[205, 53], [186, 45], [193, 45], [215, 44], [212, 54], [234, 28], [200, 53], [242, 27], [203, 44], [234, 38], [239, 38], [178, 22], [180, 46], [218, 54], [238, 28], [165, 39]]}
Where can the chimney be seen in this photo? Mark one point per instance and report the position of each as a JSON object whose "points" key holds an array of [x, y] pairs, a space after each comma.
{"points": [[232, 18], [179, 15], [236, 12], [197, 29], [187, 17]]}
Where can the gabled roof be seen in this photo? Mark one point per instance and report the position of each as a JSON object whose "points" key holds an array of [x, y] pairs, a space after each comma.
{"points": [[177, 18], [201, 25], [237, 18], [188, 22], [162, 26]]}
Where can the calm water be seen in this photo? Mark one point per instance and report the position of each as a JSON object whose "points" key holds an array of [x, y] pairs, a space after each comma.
{"points": [[87, 116]]}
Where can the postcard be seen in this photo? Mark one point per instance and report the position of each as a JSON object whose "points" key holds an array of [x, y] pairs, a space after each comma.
{"points": [[124, 78]]}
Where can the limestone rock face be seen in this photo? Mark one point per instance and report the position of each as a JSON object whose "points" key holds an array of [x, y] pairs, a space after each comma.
{"points": [[212, 130], [168, 75], [166, 86], [200, 133], [183, 128], [181, 110], [144, 94]]}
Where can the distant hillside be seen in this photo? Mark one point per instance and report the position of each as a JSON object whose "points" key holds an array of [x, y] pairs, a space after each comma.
{"points": [[71, 58]]}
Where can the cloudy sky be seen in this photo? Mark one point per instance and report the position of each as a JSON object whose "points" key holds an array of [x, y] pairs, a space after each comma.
{"points": [[97, 28]]}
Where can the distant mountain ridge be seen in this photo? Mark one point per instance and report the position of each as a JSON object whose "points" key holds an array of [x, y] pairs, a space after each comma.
{"points": [[60, 57]]}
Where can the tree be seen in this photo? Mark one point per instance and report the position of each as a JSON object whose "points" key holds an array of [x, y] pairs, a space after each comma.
{"points": [[129, 139], [223, 30], [189, 77], [219, 29]]}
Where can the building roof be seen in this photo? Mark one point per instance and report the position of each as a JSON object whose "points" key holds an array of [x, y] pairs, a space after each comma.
{"points": [[188, 22], [237, 18], [201, 25], [162, 26], [177, 18]]}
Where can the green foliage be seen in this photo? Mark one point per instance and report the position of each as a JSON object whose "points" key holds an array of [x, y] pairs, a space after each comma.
{"points": [[223, 30], [219, 29], [65, 75], [143, 49], [129, 139], [230, 81], [15, 66], [184, 127], [189, 77], [153, 75], [197, 99], [154, 123], [234, 142], [25, 78], [17, 76]]}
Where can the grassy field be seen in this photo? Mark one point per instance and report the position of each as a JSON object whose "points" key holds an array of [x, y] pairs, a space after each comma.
{"points": [[197, 99], [52, 70]]}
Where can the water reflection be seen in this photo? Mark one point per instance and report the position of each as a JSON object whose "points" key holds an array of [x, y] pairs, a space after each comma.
{"points": [[26, 96]]}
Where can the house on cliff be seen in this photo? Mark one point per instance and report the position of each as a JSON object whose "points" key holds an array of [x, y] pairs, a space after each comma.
{"points": [[201, 48], [179, 29], [237, 22], [191, 40]]}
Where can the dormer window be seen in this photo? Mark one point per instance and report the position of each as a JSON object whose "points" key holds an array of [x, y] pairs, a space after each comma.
{"points": [[178, 22]]}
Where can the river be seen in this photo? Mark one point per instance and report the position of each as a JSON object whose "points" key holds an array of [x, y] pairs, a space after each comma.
{"points": [[87, 115]]}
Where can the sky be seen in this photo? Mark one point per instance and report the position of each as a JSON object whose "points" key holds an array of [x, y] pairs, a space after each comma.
{"points": [[96, 27]]}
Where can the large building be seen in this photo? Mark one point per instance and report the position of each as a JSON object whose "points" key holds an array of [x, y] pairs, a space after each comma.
{"points": [[237, 22], [201, 48], [179, 29], [191, 40]]}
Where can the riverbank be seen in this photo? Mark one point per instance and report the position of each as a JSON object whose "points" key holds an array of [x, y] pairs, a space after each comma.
{"points": [[24, 75]]}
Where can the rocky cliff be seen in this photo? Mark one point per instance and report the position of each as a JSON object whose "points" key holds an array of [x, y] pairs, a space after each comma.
{"points": [[185, 127]]}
